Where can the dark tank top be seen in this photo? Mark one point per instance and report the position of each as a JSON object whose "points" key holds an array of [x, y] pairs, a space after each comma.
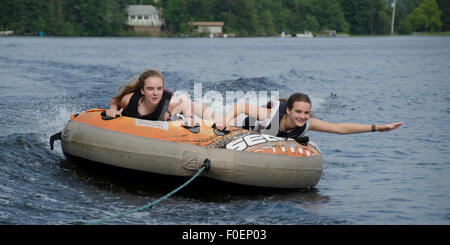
{"points": [[293, 133], [132, 109]]}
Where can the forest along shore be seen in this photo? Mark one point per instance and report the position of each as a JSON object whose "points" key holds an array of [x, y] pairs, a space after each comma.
{"points": [[242, 18]]}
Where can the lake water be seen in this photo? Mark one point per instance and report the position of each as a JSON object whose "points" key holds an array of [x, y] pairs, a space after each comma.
{"points": [[399, 177]]}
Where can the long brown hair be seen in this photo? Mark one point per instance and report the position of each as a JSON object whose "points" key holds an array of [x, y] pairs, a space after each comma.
{"points": [[297, 97], [137, 84]]}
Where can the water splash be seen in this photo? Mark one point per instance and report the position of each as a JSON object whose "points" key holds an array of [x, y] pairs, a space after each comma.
{"points": [[50, 116]]}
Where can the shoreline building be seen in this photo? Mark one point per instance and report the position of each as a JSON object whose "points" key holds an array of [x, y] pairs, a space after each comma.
{"points": [[145, 19], [210, 27]]}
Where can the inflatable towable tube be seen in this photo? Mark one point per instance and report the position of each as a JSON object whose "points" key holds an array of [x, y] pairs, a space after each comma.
{"points": [[167, 147]]}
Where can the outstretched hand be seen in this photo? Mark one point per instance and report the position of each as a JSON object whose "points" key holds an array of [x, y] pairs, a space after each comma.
{"points": [[189, 122], [220, 123], [221, 127], [387, 127], [113, 113]]}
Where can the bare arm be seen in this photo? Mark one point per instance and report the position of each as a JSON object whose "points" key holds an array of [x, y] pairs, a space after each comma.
{"points": [[188, 108], [116, 107], [260, 113], [180, 105], [203, 111], [349, 128]]}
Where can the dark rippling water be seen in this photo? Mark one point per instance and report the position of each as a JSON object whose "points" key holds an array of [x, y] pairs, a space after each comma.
{"points": [[400, 177]]}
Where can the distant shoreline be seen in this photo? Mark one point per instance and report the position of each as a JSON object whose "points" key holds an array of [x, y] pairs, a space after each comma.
{"points": [[339, 35]]}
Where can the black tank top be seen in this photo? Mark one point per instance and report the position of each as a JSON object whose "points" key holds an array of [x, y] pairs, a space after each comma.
{"points": [[132, 109], [293, 133]]}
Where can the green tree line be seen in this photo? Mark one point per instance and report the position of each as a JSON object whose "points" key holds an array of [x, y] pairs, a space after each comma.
{"points": [[242, 17]]}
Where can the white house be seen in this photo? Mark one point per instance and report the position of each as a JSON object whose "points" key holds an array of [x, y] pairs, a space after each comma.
{"points": [[211, 27], [145, 18]]}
